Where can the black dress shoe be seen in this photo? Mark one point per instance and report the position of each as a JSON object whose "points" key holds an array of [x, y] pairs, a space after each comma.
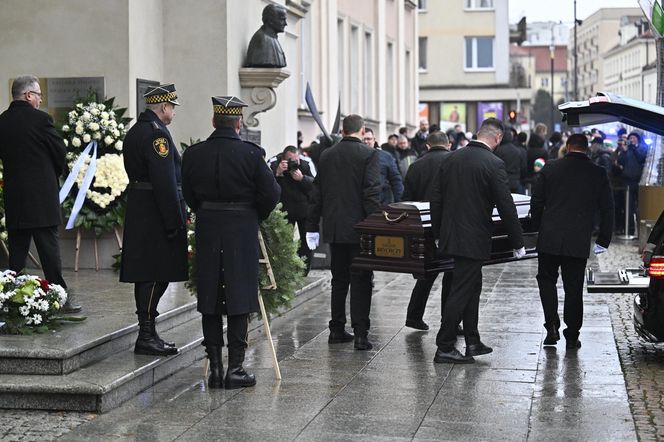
{"points": [[552, 336], [573, 345], [452, 357], [362, 343], [417, 324], [478, 349], [70, 307], [339, 337]]}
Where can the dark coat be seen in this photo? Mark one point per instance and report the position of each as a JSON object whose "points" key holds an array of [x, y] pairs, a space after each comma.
{"points": [[346, 190], [565, 198], [295, 194], [226, 169], [421, 175], [515, 164], [471, 182], [419, 143], [391, 183], [154, 247], [631, 162], [33, 157]]}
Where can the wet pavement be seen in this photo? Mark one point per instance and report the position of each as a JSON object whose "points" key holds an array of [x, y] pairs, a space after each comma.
{"points": [[395, 392]]}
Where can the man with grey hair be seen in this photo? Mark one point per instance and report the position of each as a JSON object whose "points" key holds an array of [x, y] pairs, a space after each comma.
{"points": [[33, 157], [470, 183]]}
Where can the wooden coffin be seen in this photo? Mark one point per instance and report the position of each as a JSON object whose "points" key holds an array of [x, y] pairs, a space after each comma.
{"points": [[398, 238]]}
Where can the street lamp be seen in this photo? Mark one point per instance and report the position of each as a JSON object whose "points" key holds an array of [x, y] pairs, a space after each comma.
{"points": [[552, 49]]}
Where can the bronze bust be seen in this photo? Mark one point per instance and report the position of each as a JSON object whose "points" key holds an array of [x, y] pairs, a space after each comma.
{"points": [[264, 49]]}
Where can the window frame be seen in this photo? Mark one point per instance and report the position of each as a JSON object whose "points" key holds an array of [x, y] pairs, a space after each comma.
{"points": [[474, 67]]}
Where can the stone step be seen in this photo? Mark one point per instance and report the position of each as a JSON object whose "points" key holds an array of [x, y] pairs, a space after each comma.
{"points": [[104, 384], [79, 344]]}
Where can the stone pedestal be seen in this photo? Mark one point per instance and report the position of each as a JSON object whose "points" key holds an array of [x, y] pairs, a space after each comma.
{"points": [[258, 85]]}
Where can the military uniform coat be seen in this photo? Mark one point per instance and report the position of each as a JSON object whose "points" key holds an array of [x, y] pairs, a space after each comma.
{"points": [[225, 169], [148, 254], [346, 190], [33, 157], [565, 198], [471, 182]]}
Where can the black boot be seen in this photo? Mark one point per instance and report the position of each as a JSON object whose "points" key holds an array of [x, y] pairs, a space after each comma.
{"points": [[216, 378], [552, 334], [158, 338], [236, 377], [147, 343]]}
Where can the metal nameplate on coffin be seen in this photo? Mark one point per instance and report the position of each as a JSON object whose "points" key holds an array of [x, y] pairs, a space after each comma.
{"points": [[389, 246]]}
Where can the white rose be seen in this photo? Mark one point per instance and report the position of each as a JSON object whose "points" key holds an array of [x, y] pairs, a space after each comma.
{"points": [[86, 116], [118, 145], [94, 126], [86, 138], [104, 115], [108, 140], [120, 126], [115, 132], [65, 128], [79, 106], [73, 114], [96, 136], [79, 129], [95, 111], [76, 142], [101, 106], [66, 142], [93, 105], [113, 124]]}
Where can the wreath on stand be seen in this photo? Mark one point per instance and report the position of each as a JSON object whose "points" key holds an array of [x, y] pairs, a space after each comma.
{"points": [[288, 268], [93, 134]]}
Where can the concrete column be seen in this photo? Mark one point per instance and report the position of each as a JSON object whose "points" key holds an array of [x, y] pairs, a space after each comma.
{"points": [[381, 49]]}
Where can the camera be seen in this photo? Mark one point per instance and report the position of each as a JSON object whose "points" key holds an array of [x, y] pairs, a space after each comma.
{"points": [[293, 165]]}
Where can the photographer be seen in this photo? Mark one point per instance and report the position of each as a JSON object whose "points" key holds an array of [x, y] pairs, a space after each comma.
{"points": [[295, 178]]}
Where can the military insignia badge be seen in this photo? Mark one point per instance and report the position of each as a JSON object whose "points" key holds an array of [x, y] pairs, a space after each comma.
{"points": [[161, 146]]}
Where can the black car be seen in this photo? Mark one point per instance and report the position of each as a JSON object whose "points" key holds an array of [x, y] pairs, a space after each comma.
{"points": [[648, 282]]}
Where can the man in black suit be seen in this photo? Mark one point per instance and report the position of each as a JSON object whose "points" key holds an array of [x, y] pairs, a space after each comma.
{"points": [[33, 157], [565, 198], [154, 250], [419, 183], [515, 162], [471, 182], [346, 190]]}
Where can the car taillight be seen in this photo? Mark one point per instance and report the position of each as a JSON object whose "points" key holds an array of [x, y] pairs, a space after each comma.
{"points": [[656, 269]]}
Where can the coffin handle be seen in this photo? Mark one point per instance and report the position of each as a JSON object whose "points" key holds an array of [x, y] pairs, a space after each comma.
{"points": [[399, 218]]}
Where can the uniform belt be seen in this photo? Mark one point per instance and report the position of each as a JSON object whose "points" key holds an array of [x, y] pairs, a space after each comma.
{"points": [[226, 205], [141, 185]]}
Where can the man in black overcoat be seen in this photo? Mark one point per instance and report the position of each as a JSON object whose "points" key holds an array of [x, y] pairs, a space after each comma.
{"points": [[471, 182], [154, 246], [33, 158], [419, 185], [227, 183], [515, 162], [565, 198], [346, 190]]}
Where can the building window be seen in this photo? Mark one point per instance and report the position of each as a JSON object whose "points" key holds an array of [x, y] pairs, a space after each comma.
{"points": [[479, 4], [355, 70], [545, 82], [422, 41], [422, 5], [368, 74], [479, 53]]}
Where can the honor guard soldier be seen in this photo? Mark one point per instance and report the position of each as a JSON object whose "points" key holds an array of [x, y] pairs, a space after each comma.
{"points": [[154, 250], [229, 186]]}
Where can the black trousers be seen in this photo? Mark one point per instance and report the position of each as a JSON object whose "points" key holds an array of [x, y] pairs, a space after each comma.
{"points": [[360, 290], [147, 296], [420, 295], [573, 273], [302, 251], [463, 303], [213, 331], [48, 248]]}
